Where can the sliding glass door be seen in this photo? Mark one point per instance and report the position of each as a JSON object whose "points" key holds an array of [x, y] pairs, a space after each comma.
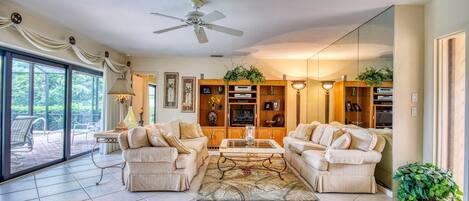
{"points": [[37, 113], [50, 111], [87, 108]]}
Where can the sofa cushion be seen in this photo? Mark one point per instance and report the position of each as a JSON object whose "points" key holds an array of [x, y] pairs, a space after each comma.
{"points": [[188, 130], [186, 160], [354, 157], [315, 159], [300, 147], [155, 136], [304, 131], [343, 142], [175, 142], [330, 134], [317, 133], [150, 154], [196, 144], [138, 138], [362, 139]]}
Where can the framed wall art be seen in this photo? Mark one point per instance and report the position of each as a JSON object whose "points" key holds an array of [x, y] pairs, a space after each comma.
{"points": [[188, 94], [171, 80]]}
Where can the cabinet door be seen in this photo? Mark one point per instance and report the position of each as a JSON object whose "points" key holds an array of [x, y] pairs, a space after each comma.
{"points": [[278, 134], [235, 133], [218, 136], [264, 133]]}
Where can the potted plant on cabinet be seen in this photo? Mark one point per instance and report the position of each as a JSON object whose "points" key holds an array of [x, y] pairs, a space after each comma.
{"points": [[426, 182], [376, 76], [253, 74]]}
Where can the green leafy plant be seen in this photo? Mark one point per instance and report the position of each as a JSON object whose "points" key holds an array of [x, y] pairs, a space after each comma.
{"points": [[253, 74], [419, 181], [375, 77]]}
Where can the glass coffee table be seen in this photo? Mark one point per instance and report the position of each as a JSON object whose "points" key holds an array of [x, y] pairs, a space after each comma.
{"points": [[260, 150]]}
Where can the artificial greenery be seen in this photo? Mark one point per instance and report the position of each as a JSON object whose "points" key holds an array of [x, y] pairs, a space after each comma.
{"points": [[375, 77], [419, 181], [253, 74]]}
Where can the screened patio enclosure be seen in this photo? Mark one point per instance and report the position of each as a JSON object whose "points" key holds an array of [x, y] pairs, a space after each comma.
{"points": [[42, 93]]}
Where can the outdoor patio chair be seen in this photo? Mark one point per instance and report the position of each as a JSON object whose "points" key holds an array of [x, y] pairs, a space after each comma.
{"points": [[85, 129], [21, 134]]}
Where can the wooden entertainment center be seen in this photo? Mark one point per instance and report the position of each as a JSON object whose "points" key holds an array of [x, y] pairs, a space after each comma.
{"points": [[237, 104], [366, 106]]}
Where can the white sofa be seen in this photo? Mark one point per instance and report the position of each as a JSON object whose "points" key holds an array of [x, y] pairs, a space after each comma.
{"points": [[334, 170], [162, 168]]}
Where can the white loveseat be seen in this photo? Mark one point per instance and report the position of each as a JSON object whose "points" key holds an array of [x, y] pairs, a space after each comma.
{"points": [[162, 168], [326, 169]]}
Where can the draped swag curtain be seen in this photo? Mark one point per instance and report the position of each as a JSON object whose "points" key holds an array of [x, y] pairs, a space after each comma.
{"points": [[45, 43], [112, 69]]}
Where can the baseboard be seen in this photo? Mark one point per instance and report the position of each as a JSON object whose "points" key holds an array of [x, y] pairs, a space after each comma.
{"points": [[385, 190]]}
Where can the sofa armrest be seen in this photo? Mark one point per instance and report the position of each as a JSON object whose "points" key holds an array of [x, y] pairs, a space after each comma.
{"points": [[352, 156], [291, 133], [150, 154], [123, 140]]}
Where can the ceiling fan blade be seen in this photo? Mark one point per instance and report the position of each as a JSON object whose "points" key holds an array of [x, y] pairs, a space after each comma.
{"points": [[223, 29], [200, 33], [213, 16], [168, 16], [170, 29]]}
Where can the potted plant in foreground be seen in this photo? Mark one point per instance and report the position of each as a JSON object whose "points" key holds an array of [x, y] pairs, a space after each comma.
{"points": [[418, 181]]}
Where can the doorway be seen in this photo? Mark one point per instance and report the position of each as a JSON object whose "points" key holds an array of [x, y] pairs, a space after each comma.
{"points": [[450, 105]]}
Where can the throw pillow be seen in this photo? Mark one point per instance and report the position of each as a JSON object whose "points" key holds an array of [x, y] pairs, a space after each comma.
{"points": [[303, 131], [188, 130], [330, 134], [138, 138], [317, 133], [362, 139], [175, 142], [155, 136], [343, 142], [200, 131], [175, 128]]}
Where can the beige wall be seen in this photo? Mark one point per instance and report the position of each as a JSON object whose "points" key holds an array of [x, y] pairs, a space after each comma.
{"points": [[443, 18], [408, 79], [215, 68]]}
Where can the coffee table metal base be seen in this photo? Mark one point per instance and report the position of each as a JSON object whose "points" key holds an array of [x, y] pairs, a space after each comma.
{"points": [[234, 160]]}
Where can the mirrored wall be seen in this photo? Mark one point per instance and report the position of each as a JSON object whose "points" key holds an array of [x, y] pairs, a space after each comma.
{"points": [[343, 86]]}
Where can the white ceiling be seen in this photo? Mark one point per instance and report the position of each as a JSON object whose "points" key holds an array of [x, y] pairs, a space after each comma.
{"points": [[293, 29]]}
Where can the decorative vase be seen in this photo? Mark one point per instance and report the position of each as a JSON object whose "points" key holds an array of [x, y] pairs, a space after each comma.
{"points": [[212, 118], [130, 120]]}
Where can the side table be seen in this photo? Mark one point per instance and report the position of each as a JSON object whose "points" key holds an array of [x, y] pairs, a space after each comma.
{"points": [[107, 137]]}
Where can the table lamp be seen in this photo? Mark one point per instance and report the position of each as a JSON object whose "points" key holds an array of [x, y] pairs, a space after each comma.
{"points": [[121, 90]]}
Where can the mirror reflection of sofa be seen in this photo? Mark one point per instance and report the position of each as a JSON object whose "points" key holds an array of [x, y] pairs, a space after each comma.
{"points": [[335, 157]]}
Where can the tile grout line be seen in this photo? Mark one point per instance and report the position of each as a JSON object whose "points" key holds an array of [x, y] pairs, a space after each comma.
{"points": [[37, 190], [81, 185]]}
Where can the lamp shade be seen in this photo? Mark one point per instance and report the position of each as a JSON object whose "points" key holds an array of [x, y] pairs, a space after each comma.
{"points": [[121, 87], [327, 85], [298, 84]]}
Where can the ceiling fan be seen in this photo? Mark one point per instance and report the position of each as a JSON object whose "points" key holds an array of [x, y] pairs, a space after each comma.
{"points": [[199, 20]]}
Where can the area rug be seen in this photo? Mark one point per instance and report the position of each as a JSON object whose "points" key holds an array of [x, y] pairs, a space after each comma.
{"points": [[250, 181]]}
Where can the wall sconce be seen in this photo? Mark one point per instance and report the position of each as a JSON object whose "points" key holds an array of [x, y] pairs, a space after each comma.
{"points": [[327, 85], [298, 85]]}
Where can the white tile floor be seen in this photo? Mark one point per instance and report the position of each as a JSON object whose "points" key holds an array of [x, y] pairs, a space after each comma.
{"points": [[75, 180]]}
